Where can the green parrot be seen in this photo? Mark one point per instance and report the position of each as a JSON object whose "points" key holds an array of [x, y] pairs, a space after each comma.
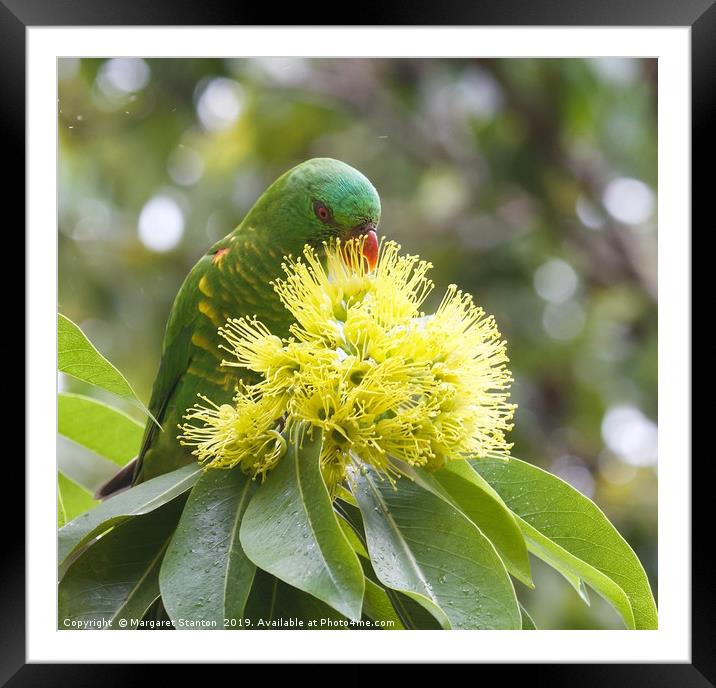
{"points": [[315, 201]]}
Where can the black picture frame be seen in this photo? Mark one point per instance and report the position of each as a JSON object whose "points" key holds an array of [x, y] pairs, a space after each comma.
{"points": [[17, 15]]}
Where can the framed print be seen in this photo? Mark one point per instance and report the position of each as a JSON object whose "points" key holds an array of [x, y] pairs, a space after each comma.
{"points": [[351, 329]]}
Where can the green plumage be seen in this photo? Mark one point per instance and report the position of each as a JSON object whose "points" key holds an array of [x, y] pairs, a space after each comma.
{"points": [[315, 201]]}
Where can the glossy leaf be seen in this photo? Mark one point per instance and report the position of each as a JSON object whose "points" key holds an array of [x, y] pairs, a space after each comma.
{"points": [[377, 607], [412, 615], [77, 356], [576, 570], [289, 529], [272, 604], [353, 538], [117, 578], [573, 579], [72, 500], [426, 548], [567, 529], [83, 466], [141, 499], [346, 496], [527, 622], [205, 575], [98, 427], [469, 491]]}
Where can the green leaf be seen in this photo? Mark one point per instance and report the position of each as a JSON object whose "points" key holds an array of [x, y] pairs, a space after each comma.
{"points": [[141, 499], [353, 538], [72, 500], [426, 548], [346, 496], [82, 466], [412, 615], [272, 604], [566, 529], [377, 603], [98, 427], [289, 529], [117, 578], [77, 356], [377, 606], [205, 575], [470, 492], [410, 612], [527, 623], [575, 571], [574, 580]]}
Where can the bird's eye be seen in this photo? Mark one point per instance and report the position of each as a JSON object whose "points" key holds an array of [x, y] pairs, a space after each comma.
{"points": [[322, 213]]}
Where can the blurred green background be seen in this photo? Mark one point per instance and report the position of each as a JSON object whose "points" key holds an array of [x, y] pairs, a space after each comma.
{"points": [[529, 183]]}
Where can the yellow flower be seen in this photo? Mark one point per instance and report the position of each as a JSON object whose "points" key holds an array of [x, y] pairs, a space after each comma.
{"points": [[244, 433], [379, 378]]}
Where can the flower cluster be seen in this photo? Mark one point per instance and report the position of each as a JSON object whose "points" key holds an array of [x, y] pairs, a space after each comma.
{"points": [[380, 379]]}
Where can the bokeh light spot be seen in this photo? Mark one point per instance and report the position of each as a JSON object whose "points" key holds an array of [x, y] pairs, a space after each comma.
{"points": [[220, 104], [629, 200], [122, 75], [284, 70], [588, 214], [556, 281], [161, 224], [618, 70], [630, 435]]}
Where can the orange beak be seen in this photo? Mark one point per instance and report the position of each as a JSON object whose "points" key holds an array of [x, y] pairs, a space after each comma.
{"points": [[371, 249]]}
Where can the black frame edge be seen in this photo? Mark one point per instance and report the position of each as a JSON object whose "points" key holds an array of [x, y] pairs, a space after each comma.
{"points": [[699, 14], [703, 115], [12, 125], [413, 12]]}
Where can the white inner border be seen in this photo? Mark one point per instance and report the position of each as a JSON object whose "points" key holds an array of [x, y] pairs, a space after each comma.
{"points": [[671, 643]]}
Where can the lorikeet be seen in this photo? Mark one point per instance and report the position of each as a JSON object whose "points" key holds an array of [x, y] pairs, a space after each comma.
{"points": [[315, 201]]}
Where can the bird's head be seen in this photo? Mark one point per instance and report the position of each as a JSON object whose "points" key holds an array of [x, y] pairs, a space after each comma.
{"points": [[319, 200]]}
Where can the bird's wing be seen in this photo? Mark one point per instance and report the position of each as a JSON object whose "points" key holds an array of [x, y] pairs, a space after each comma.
{"points": [[176, 356], [190, 361]]}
